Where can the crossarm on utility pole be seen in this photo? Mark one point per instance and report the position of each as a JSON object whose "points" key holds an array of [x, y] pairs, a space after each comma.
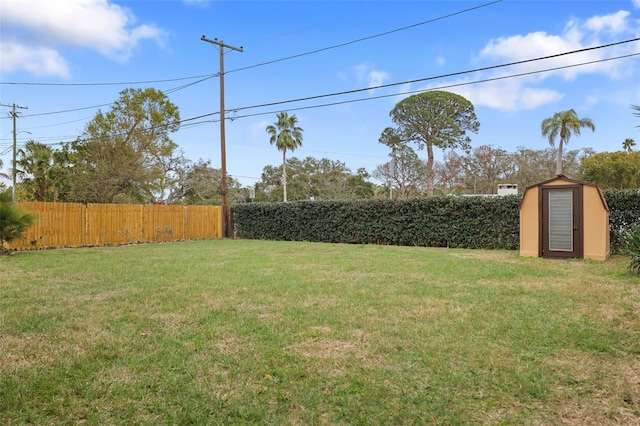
{"points": [[226, 228]]}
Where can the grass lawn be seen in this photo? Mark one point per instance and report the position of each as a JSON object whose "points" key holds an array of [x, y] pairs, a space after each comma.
{"points": [[262, 332]]}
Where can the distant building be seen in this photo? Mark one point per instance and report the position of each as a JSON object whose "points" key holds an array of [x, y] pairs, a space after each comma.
{"points": [[507, 189]]}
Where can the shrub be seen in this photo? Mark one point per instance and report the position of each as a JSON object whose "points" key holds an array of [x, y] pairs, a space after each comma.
{"points": [[13, 221], [624, 215], [461, 222], [632, 248]]}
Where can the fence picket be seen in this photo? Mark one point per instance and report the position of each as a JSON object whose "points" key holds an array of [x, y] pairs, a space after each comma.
{"points": [[75, 225]]}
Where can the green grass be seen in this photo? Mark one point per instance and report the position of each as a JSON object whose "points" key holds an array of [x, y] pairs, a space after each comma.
{"points": [[257, 332]]}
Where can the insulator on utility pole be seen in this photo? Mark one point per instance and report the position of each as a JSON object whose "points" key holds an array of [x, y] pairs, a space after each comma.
{"points": [[226, 222]]}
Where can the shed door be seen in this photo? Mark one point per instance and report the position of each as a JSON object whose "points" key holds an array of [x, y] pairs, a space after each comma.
{"points": [[561, 230]]}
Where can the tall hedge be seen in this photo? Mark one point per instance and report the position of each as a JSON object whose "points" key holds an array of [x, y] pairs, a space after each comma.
{"points": [[624, 215], [463, 222]]}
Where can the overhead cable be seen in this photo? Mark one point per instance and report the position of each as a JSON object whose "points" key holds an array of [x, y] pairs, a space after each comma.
{"points": [[208, 76]]}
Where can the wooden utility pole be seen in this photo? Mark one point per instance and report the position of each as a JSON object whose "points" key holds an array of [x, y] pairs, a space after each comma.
{"points": [[226, 219], [14, 115]]}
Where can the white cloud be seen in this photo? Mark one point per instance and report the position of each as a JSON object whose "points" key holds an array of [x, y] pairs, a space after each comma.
{"points": [[527, 92], [590, 101], [615, 23], [508, 95], [257, 132], [377, 78], [46, 26], [38, 61], [372, 78], [636, 3], [440, 61], [201, 3]]}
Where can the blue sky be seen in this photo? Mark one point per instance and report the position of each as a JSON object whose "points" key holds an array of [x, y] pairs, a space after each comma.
{"points": [[75, 55]]}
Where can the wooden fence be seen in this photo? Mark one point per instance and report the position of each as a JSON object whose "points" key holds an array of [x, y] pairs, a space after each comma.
{"points": [[76, 225]]}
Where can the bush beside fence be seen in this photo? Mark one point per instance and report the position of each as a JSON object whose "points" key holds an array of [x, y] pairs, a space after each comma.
{"points": [[76, 225], [451, 221], [463, 222], [624, 215]]}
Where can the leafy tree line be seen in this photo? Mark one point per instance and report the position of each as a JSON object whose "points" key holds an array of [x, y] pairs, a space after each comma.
{"points": [[126, 155]]}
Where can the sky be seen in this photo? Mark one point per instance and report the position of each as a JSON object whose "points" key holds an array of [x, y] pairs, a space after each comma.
{"points": [[339, 66]]}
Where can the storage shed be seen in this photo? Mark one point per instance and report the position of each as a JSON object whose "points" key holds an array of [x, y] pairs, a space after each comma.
{"points": [[564, 217]]}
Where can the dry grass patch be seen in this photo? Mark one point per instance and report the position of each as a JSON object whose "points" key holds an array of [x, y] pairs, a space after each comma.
{"points": [[23, 351], [489, 255], [230, 345], [609, 392], [322, 301]]}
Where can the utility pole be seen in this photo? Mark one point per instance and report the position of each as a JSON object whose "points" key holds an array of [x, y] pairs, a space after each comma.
{"points": [[14, 115], [226, 228]]}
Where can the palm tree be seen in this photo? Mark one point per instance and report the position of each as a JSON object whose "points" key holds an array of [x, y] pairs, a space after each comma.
{"points": [[628, 144], [3, 175], [564, 124], [36, 168], [13, 221], [285, 134]]}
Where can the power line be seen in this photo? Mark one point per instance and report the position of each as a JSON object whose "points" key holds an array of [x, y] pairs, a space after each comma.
{"points": [[454, 74], [125, 83], [485, 80], [202, 78], [366, 38], [448, 86], [208, 76], [169, 91]]}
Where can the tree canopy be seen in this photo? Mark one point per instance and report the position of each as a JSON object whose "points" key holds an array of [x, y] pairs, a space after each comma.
{"points": [[121, 154], [403, 176], [564, 124], [612, 170], [285, 135], [312, 178], [434, 119]]}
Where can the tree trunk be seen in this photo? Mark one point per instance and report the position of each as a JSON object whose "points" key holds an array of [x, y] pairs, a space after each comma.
{"points": [[430, 174], [559, 159], [284, 174]]}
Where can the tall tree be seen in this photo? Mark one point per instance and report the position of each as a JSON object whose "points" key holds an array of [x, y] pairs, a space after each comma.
{"points": [[563, 124], [404, 174], [628, 144], [435, 118], [531, 166], [450, 173], [286, 135], [485, 167], [3, 175], [612, 170], [322, 179], [122, 153], [199, 183], [636, 108], [38, 170]]}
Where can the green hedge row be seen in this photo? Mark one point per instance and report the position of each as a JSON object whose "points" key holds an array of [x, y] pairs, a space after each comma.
{"points": [[624, 215], [464, 222]]}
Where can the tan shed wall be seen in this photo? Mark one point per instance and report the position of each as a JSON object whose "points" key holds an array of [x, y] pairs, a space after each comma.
{"points": [[596, 226], [596, 244], [529, 215]]}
